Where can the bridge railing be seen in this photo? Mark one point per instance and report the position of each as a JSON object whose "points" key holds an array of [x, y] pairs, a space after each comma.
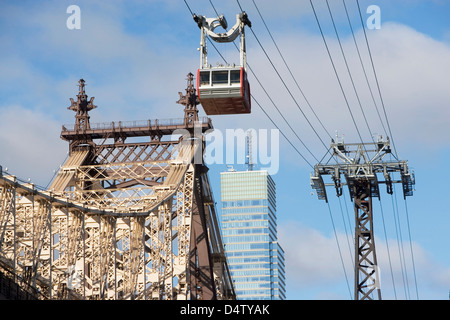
{"points": [[135, 124]]}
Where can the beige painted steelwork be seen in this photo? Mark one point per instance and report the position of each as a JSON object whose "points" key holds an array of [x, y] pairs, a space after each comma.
{"points": [[119, 221]]}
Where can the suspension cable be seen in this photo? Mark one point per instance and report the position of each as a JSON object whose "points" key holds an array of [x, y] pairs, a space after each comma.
{"points": [[285, 85], [348, 68], [363, 68], [376, 78], [265, 91], [411, 249], [335, 71], [339, 249], [388, 250], [290, 72]]}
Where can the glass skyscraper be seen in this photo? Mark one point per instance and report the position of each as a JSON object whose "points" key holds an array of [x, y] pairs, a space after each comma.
{"points": [[249, 232]]}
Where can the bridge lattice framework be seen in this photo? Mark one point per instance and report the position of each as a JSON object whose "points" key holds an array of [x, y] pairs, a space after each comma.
{"points": [[130, 214]]}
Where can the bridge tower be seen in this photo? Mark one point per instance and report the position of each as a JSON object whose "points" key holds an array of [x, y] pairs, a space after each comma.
{"points": [[130, 214]]}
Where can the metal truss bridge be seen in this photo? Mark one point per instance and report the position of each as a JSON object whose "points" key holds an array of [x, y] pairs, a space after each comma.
{"points": [[122, 219]]}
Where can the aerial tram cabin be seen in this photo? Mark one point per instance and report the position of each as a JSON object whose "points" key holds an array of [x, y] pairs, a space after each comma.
{"points": [[223, 89]]}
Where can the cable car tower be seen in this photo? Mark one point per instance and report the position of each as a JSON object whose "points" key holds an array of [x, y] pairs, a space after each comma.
{"points": [[364, 166], [223, 89]]}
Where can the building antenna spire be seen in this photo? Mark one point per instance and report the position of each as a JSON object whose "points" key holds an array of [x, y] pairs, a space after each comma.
{"points": [[249, 155]]}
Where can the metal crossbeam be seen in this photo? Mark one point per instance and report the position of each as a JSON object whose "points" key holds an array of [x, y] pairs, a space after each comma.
{"points": [[356, 161]]}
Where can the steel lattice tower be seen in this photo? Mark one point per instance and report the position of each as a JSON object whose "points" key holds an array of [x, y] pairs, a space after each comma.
{"points": [[130, 214], [364, 167]]}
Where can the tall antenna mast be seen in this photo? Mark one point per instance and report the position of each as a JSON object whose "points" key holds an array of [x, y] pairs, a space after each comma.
{"points": [[249, 156]]}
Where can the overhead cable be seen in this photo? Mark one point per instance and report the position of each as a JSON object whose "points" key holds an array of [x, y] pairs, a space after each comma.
{"points": [[335, 71], [376, 78]]}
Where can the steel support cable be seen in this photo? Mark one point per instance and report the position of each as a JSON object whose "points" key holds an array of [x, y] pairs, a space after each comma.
{"points": [[369, 87], [363, 68], [346, 210], [248, 65], [335, 70], [401, 254], [284, 83], [388, 124], [284, 118], [356, 93], [388, 250], [411, 249], [376, 78], [271, 100], [401, 248], [289, 91], [329, 208], [348, 69], [189, 8], [400, 241], [339, 249], [287, 139], [346, 232], [264, 111], [212, 5], [290, 72]]}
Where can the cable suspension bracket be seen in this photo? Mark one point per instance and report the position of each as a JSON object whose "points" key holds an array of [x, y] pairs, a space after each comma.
{"points": [[208, 26], [362, 161]]}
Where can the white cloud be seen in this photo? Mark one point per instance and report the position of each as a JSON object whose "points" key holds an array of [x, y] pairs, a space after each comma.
{"points": [[314, 266], [411, 69], [137, 76], [412, 72], [30, 144], [312, 260], [129, 73]]}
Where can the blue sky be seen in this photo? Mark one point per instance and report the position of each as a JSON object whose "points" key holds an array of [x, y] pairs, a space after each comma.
{"points": [[135, 55]]}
